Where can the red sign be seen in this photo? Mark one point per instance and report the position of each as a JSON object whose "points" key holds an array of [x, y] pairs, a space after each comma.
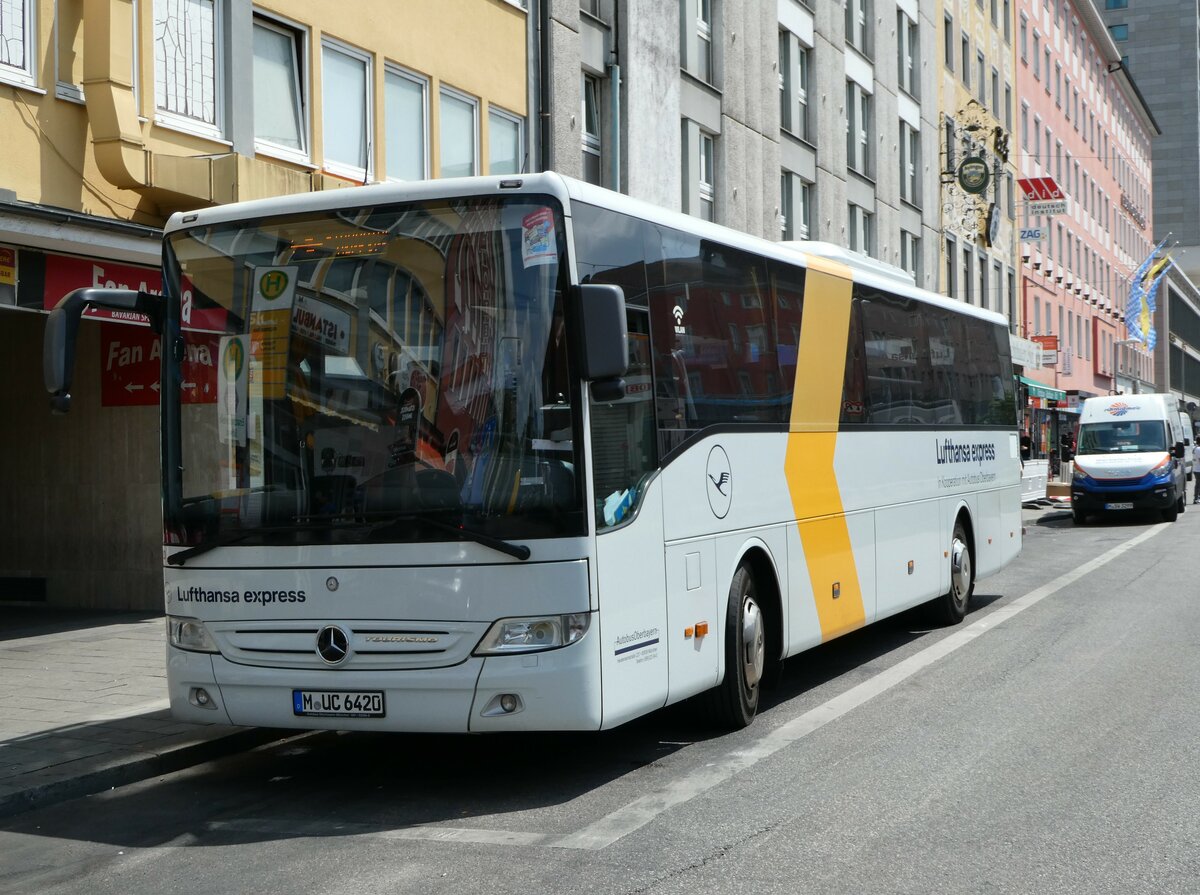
{"points": [[1048, 343], [131, 363], [65, 273], [1041, 189]]}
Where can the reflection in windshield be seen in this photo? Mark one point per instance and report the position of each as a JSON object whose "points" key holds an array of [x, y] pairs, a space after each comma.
{"points": [[376, 364], [1134, 436]]}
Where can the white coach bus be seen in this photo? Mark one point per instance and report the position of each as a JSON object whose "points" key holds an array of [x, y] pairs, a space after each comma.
{"points": [[501, 454]]}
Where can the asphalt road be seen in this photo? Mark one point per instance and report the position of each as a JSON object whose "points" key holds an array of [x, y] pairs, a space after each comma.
{"points": [[1047, 744]]}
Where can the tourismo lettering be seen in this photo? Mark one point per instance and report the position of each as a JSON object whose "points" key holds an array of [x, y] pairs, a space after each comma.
{"points": [[950, 451]]}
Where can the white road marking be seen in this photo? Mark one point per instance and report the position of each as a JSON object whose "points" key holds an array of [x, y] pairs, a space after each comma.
{"points": [[636, 814]]}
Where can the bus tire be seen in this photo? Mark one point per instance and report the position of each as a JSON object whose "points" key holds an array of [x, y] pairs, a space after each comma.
{"points": [[733, 703], [951, 607]]}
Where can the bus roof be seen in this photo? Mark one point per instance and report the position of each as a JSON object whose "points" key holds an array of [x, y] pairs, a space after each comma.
{"points": [[865, 270]]}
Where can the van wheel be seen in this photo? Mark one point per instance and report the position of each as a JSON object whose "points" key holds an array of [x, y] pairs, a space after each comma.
{"points": [[1079, 516], [733, 703], [951, 607], [1171, 514]]}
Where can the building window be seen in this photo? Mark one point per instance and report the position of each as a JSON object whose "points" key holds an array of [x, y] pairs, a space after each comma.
{"points": [[459, 134], [909, 43], [18, 38], [910, 254], [968, 274], [860, 129], [857, 17], [704, 56], [1116, 4], [1023, 38], [1008, 107], [699, 172], [910, 163], [346, 123], [185, 65], [966, 61], [795, 202], [948, 41], [951, 283], [1119, 32], [591, 130], [860, 229], [280, 116], [981, 66], [506, 152], [405, 117], [793, 85], [707, 182], [1008, 21], [1037, 55]]}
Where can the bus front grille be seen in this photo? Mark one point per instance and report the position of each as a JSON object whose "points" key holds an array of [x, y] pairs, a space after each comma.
{"points": [[372, 644]]}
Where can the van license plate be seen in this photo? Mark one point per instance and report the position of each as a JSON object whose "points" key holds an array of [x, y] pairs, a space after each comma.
{"points": [[1118, 506], [337, 703]]}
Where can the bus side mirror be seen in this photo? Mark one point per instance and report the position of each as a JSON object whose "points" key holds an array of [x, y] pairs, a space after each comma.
{"points": [[603, 335], [62, 332]]}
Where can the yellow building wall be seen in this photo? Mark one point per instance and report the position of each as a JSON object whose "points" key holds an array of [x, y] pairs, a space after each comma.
{"points": [[475, 46]]}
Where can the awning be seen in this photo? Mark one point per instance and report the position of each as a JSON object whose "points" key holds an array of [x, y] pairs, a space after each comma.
{"points": [[1037, 390]]}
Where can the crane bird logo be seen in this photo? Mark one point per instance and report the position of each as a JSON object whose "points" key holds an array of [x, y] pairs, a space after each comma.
{"points": [[720, 477]]}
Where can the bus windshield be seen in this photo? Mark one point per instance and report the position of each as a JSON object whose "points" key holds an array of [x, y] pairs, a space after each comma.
{"points": [[394, 373], [1132, 436]]}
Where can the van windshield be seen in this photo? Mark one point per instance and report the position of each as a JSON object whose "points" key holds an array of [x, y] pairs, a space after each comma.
{"points": [[1132, 436]]}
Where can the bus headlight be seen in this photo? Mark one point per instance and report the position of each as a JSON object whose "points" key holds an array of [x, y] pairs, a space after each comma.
{"points": [[533, 634], [190, 634]]}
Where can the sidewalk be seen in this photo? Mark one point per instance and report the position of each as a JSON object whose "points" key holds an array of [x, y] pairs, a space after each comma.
{"points": [[83, 707]]}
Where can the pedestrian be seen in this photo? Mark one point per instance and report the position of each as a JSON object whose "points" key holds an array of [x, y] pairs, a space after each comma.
{"points": [[1195, 470]]}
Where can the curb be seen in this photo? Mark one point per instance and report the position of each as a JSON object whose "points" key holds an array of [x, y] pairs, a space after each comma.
{"points": [[135, 768]]}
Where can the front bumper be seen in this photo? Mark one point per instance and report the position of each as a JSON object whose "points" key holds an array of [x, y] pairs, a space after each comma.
{"points": [[558, 690], [1096, 500]]}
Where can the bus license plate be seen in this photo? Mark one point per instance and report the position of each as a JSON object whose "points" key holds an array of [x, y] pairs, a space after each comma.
{"points": [[337, 704], [1118, 506]]}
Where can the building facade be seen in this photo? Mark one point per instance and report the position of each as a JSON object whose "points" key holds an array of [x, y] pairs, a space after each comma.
{"points": [[120, 112], [1084, 127], [1154, 38], [976, 82], [789, 120]]}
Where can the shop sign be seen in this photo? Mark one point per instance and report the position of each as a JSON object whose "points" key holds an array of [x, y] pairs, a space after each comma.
{"points": [[8, 266], [131, 364], [1057, 206], [974, 174], [66, 273], [1049, 349], [1040, 189]]}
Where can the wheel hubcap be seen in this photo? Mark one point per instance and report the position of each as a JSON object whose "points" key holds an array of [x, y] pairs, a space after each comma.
{"points": [[960, 570], [753, 642]]}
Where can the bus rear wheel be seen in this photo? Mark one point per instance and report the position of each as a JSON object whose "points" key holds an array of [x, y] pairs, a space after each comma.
{"points": [[733, 703], [951, 607]]}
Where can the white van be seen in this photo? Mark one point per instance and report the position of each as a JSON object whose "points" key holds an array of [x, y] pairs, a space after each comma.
{"points": [[1129, 455]]}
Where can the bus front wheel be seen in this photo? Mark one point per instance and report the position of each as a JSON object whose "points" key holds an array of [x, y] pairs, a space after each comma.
{"points": [[734, 702], [951, 607]]}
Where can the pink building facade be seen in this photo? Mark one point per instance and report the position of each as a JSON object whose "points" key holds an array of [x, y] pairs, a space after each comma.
{"points": [[1082, 122]]}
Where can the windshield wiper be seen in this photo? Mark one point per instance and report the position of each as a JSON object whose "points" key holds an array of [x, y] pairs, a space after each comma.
{"points": [[519, 551], [178, 559]]}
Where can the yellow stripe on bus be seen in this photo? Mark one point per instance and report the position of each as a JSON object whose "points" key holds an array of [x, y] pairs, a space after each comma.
{"points": [[812, 442]]}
